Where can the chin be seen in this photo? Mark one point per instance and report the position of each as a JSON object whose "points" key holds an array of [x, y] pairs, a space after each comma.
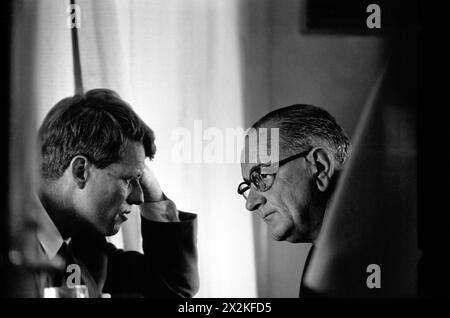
{"points": [[279, 236], [283, 232], [113, 230], [294, 240]]}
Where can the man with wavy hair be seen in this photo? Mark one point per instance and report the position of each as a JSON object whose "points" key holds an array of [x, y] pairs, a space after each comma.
{"points": [[94, 148]]}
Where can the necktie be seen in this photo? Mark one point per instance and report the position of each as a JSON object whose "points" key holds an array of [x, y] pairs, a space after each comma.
{"points": [[64, 278]]}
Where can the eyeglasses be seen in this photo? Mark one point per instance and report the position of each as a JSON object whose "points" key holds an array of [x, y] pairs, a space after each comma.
{"points": [[263, 181]]}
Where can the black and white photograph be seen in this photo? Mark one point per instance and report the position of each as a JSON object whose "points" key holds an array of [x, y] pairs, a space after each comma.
{"points": [[224, 149]]}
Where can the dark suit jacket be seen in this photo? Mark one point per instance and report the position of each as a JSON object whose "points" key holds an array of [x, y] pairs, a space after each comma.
{"points": [[167, 269]]}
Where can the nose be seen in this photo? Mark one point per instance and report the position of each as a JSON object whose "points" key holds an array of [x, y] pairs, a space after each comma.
{"points": [[137, 195], [255, 200]]}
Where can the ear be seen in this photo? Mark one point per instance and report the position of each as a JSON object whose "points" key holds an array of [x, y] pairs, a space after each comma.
{"points": [[323, 165], [79, 170]]}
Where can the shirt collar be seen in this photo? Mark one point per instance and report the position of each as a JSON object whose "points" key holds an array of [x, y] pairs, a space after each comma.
{"points": [[48, 235]]}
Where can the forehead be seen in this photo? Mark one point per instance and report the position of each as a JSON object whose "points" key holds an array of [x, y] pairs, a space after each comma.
{"points": [[133, 159], [249, 158], [259, 143], [261, 146]]}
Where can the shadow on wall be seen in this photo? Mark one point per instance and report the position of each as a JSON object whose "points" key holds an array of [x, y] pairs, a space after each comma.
{"points": [[368, 245]]}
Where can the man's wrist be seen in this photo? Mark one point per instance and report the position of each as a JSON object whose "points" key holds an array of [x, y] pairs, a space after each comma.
{"points": [[154, 197], [164, 210]]}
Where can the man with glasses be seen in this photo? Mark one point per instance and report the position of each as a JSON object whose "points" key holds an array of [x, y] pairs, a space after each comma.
{"points": [[291, 195]]}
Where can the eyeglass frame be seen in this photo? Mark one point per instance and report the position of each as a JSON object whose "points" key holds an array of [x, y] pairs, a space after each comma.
{"points": [[280, 163]]}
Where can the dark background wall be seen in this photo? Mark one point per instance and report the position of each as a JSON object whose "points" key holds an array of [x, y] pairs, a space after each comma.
{"points": [[434, 151]]}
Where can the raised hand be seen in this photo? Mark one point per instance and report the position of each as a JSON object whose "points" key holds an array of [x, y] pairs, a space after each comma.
{"points": [[157, 207], [150, 186]]}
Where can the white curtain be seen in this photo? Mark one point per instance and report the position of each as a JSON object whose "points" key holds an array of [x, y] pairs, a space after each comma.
{"points": [[42, 71], [175, 62]]}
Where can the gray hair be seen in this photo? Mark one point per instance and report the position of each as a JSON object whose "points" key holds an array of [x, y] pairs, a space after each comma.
{"points": [[302, 126]]}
